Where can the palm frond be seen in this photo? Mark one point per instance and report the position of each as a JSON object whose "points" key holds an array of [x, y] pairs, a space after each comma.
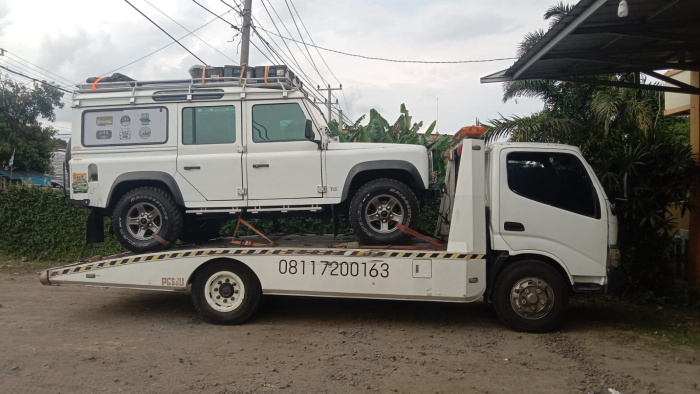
{"points": [[529, 41], [557, 12]]}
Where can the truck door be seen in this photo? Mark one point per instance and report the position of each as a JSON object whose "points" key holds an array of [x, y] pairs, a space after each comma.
{"points": [[209, 149], [281, 163], [549, 203]]}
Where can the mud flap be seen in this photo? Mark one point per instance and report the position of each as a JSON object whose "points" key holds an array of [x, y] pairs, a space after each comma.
{"points": [[95, 227]]}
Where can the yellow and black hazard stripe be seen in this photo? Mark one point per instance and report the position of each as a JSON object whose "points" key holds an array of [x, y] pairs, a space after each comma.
{"points": [[234, 252]]}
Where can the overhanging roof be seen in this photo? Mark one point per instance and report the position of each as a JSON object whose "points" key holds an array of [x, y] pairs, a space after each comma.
{"points": [[592, 40]]}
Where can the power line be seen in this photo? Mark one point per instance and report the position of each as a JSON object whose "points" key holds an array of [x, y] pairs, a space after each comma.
{"points": [[15, 65], [66, 80], [187, 30], [311, 58], [225, 21], [33, 79], [168, 34], [161, 48], [395, 60], [345, 100]]}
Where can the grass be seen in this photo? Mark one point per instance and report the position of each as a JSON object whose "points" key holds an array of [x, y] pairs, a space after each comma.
{"points": [[666, 326]]}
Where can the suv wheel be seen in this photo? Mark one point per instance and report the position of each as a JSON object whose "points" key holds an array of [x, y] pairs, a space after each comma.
{"points": [[142, 216], [378, 206]]}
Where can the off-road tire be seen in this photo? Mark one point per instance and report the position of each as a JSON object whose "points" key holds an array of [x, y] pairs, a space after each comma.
{"points": [[171, 219], [377, 188], [246, 283], [516, 273]]}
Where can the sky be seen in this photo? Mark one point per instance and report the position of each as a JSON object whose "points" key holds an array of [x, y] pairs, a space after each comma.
{"points": [[77, 39]]}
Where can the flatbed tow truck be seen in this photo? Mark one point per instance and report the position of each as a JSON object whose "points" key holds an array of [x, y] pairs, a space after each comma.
{"points": [[526, 225]]}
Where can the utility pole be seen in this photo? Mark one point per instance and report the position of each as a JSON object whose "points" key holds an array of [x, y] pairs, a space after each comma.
{"points": [[340, 121], [245, 40], [329, 102]]}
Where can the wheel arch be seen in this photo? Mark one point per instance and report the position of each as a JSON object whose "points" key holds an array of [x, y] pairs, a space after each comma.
{"points": [[225, 260], [400, 170], [132, 180], [504, 260]]}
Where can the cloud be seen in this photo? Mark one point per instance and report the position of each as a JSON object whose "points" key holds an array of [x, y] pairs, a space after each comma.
{"points": [[82, 38]]}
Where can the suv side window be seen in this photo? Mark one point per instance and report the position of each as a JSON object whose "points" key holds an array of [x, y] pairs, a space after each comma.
{"points": [[556, 179], [278, 122], [209, 125]]}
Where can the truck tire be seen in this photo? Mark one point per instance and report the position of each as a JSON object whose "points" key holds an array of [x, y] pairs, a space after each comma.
{"points": [[142, 213], [531, 296], [377, 206], [226, 292]]}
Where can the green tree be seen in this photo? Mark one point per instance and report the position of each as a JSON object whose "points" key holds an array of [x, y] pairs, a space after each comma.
{"points": [[21, 107], [402, 131], [637, 153]]}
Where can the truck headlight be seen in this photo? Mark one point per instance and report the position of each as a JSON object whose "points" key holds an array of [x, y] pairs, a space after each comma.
{"points": [[613, 256]]}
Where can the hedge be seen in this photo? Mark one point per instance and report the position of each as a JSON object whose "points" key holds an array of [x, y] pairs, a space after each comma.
{"points": [[38, 224]]}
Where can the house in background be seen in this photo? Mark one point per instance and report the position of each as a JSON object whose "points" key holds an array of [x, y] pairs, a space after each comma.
{"points": [[28, 177]]}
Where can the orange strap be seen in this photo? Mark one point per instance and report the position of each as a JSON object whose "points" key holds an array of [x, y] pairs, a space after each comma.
{"points": [[248, 242], [94, 84], [204, 73], [267, 70], [240, 78]]}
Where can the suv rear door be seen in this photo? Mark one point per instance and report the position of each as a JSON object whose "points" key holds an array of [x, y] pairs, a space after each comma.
{"points": [[209, 149], [281, 163]]}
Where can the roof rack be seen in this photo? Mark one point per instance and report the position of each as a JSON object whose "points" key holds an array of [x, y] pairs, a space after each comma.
{"points": [[191, 87]]}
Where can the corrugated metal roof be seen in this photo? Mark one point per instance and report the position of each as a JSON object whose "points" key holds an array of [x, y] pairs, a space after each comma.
{"points": [[592, 39]]}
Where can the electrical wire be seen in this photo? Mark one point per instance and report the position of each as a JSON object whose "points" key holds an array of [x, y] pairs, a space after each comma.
{"points": [[66, 80], [311, 58], [161, 48], [23, 68], [396, 60], [194, 35], [33, 79], [163, 30], [345, 100]]}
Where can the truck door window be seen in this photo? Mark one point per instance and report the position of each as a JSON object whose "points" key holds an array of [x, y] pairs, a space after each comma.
{"points": [[556, 179], [209, 125], [278, 122]]}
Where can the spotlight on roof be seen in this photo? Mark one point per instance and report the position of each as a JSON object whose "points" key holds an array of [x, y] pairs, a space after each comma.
{"points": [[623, 9]]}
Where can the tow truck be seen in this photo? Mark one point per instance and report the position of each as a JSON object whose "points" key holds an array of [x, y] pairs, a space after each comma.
{"points": [[526, 225]]}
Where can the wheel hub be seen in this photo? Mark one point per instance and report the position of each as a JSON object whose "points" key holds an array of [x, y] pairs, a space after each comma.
{"points": [[532, 298], [383, 212], [144, 220], [224, 291]]}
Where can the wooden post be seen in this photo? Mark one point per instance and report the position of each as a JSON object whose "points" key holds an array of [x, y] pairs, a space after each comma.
{"points": [[694, 235]]}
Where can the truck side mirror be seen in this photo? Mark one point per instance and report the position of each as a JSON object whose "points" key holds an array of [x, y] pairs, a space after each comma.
{"points": [[309, 131]]}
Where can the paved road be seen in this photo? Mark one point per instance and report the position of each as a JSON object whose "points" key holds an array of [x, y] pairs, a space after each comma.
{"points": [[79, 339]]}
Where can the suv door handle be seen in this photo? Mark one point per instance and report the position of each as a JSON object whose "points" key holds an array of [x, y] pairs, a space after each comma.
{"points": [[192, 168], [513, 226], [260, 165]]}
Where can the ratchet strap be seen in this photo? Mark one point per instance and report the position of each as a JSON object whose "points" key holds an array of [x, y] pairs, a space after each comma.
{"points": [[94, 84], [240, 77], [246, 242]]}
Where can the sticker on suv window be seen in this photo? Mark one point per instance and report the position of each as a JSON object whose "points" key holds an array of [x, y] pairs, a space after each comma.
{"points": [[105, 121]]}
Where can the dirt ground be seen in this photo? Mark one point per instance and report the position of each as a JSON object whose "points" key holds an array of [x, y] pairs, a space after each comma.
{"points": [[89, 340]]}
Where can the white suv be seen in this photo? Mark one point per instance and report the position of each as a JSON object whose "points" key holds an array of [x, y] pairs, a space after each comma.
{"points": [[172, 160]]}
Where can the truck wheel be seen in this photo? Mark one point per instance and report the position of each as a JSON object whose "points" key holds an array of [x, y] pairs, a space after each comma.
{"points": [[378, 206], [226, 292], [531, 296], [143, 214]]}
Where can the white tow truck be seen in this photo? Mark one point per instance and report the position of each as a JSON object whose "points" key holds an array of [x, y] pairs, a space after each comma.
{"points": [[525, 224]]}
